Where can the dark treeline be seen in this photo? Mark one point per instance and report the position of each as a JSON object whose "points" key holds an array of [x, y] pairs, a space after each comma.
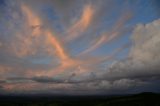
{"points": [[143, 99]]}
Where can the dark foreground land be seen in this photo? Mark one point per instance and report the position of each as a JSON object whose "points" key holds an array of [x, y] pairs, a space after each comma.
{"points": [[143, 99]]}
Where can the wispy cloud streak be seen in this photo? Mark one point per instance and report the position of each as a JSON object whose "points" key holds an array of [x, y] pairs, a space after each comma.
{"points": [[116, 31], [82, 24]]}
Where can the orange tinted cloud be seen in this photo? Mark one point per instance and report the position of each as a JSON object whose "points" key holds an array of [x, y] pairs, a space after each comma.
{"points": [[66, 62], [108, 36], [82, 24], [23, 43], [32, 18], [35, 22], [60, 52]]}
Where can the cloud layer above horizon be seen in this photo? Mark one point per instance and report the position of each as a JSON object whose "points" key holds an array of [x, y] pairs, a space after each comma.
{"points": [[79, 46]]}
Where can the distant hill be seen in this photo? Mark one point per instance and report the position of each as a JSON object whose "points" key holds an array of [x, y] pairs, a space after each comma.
{"points": [[142, 99]]}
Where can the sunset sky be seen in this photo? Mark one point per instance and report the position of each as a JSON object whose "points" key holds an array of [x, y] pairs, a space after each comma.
{"points": [[79, 47]]}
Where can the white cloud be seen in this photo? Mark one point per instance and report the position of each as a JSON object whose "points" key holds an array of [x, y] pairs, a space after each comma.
{"points": [[144, 58], [146, 43]]}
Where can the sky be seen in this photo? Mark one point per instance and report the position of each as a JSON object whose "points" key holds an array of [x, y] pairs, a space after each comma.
{"points": [[79, 47]]}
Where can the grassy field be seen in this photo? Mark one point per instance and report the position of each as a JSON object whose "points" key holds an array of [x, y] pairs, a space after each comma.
{"points": [[143, 99]]}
